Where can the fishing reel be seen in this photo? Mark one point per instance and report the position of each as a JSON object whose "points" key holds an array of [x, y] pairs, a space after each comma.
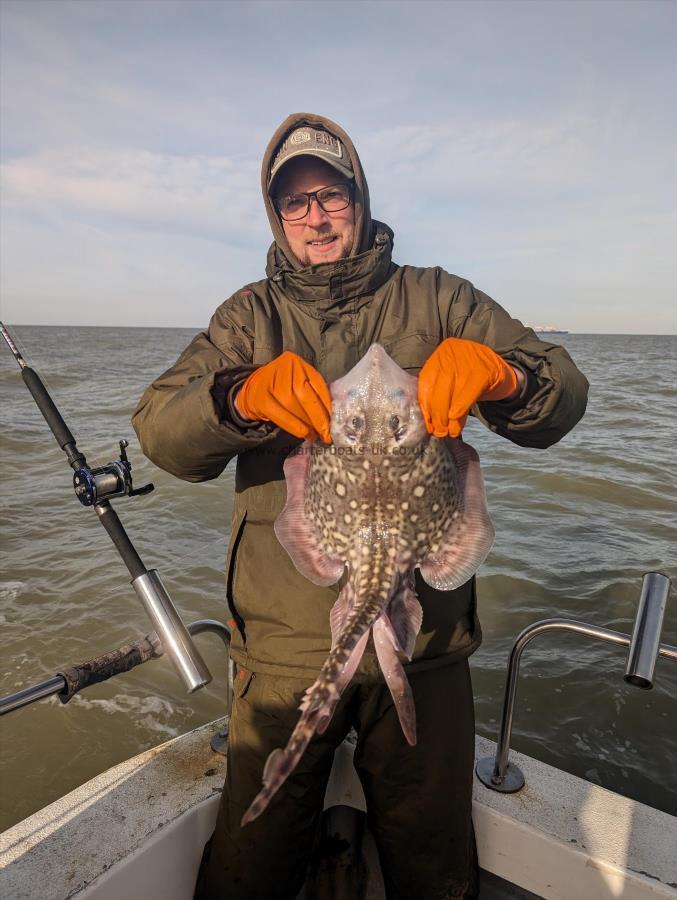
{"points": [[112, 480]]}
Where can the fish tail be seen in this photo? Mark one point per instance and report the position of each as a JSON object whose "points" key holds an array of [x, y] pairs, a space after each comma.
{"points": [[319, 701], [317, 708]]}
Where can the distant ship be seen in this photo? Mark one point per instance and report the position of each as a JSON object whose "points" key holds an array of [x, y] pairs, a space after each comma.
{"points": [[546, 329]]}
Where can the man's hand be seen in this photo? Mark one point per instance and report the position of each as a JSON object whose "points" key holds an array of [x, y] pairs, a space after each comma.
{"points": [[457, 375], [289, 392]]}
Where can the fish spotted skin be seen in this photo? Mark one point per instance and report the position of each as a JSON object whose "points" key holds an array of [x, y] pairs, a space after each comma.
{"points": [[383, 498]]}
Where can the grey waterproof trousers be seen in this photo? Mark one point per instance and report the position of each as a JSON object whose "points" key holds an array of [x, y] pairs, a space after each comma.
{"points": [[418, 798]]}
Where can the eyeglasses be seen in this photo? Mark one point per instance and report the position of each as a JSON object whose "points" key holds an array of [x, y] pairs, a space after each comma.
{"points": [[333, 198]]}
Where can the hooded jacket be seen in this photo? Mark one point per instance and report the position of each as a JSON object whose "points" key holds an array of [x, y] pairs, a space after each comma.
{"points": [[329, 314]]}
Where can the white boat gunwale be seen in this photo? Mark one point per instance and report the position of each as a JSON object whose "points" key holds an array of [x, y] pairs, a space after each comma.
{"points": [[142, 825]]}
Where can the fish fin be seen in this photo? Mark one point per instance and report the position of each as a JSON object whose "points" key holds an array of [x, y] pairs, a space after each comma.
{"points": [[275, 773], [295, 531], [340, 611], [405, 615], [468, 542], [272, 764], [353, 662], [396, 678]]}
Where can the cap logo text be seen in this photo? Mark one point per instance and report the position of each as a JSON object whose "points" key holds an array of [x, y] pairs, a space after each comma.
{"points": [[300, 137]]}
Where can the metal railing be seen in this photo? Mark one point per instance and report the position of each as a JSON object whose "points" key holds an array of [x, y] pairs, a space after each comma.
{"points": [[498, 773], [70, 680]]}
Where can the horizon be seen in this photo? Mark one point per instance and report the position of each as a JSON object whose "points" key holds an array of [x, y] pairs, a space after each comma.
{"points": [[537, 160], [197, 328]]}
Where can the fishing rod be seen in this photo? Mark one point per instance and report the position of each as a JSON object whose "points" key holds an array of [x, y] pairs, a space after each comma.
{"points": [[95, 488]]}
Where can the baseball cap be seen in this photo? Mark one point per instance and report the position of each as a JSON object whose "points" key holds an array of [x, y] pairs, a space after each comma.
{"points": [[309, 141]]}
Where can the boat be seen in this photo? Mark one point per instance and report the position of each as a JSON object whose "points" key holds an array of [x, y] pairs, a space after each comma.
{"points": [[138, 830], [546, 329]]}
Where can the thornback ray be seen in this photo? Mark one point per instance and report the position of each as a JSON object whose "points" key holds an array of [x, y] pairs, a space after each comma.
{"points": [[384, 498]]}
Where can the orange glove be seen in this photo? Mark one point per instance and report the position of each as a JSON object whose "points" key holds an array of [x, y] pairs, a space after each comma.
{"points": [[289, 392], [454, 377]]}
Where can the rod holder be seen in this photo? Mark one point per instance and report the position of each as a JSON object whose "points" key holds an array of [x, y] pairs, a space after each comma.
{"points": [[174, 636], [646, 635], [116, 480]]}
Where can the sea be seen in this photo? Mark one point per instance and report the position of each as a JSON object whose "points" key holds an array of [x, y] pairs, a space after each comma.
{"points": [[577, 526]]}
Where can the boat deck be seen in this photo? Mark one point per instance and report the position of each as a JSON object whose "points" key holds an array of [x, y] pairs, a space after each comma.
{"points": [[138, 830]]}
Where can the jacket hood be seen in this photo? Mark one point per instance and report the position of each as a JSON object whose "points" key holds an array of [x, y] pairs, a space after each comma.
{"points": [[284, 258]]}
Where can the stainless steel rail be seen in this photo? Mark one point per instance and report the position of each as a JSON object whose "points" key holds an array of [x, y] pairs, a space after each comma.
{"points": [[219, 742], [30, 694], [58, 684], [501, 775]]}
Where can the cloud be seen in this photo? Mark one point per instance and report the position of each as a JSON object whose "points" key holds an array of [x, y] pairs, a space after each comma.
{"points": [[204, 195], [67, 272], [551, 154], [530, 206], [526, 146]]}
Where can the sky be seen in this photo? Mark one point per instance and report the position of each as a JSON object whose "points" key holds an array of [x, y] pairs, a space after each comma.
{"points": [[527, 146]]}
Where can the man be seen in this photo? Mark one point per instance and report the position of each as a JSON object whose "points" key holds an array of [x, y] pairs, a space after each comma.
{"points": [[248, 386]]}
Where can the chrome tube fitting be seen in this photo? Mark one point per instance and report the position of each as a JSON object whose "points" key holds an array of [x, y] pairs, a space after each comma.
{"points": [[646, 635], [174, 636]]}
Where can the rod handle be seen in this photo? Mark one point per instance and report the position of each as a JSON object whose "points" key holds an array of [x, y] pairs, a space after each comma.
{"points": [[52, 416], [105, 666]]}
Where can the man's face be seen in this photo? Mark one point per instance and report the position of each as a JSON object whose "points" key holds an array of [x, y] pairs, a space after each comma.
{"points": [[320, 236]]}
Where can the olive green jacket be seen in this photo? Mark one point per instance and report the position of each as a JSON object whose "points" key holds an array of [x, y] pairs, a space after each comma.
{"points": [[330, 314]]}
